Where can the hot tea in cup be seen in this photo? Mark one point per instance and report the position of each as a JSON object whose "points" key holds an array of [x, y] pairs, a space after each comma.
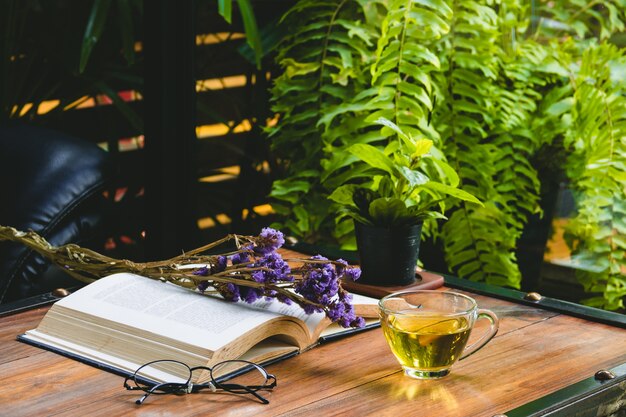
{"points": [[428, 330]]}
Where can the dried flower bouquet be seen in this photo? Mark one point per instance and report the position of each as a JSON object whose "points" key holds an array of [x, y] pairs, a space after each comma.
{"points": [[254, 270]]}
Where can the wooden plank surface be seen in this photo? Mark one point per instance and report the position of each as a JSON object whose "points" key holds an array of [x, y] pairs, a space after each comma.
{"points": [[535, 352]]}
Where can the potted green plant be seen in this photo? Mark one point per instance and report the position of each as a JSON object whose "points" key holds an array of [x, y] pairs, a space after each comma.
{"points": [[397, 190]]}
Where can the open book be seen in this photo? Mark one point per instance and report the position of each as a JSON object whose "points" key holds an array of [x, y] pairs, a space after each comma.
{"points": [[123, 321]]}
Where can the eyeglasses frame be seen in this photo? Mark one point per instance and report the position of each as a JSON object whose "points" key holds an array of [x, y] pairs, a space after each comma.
{"points": [[188, 387]]}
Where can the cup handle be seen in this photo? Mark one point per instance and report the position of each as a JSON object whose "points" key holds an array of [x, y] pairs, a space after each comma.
{"points": [[493, 329]]}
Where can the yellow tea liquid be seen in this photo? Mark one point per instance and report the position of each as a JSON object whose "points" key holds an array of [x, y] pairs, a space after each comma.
{"points": [[426, 343]]}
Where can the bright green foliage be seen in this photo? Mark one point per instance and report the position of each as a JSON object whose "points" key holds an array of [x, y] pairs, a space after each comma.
{"points": [[584, 18], [597, 139], [407, 184], [492, 83], [401, 73], [322, 58], [482, 115]]}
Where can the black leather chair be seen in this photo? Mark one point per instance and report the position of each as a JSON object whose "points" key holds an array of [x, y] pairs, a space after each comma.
{"points": [[53, 184]]}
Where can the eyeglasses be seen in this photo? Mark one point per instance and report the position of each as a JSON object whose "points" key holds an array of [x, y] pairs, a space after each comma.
{"points": [[257, 379]]}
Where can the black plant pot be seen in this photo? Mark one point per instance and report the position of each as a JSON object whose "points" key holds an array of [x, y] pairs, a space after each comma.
{"points": [[388, 255]]}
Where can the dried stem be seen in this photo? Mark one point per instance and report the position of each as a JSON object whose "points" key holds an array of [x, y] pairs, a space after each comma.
{"points": [[87, 266]]}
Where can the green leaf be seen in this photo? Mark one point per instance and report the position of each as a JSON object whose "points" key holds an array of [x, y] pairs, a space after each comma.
{"points": [[469, 269], [93, 31], [414, 178], [424, 53], [373, 157], [302, 217], [250, 27], [385, 122], [293, 68], [446, 171], [452, 191], [422, 147], [560, 107], [439, 5], [225, 9], [387, 211], [289, 186], [343, 195], [416, 92]]}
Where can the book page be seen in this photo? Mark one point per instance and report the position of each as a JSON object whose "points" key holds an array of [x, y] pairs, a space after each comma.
{"points": [[167, 309], [199, 320], [293, 310], [269, 348], [364, 306]]}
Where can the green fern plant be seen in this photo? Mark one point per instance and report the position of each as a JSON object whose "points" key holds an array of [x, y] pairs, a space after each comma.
{"points": [[492, 84], [323, 61], [598, 129], [479, 242]]}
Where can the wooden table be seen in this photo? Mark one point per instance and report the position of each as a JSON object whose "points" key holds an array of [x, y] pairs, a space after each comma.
{"points": [[536, 352]]}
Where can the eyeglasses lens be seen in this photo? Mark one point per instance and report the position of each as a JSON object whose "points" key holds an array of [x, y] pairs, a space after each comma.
{"points": [[172, 372], [253, 377]]}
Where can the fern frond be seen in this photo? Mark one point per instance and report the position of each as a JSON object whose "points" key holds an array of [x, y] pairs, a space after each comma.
{"points": [[479, 247], [597, 139], [468, 85], [584, 18], [517, 97], [401, 72], [322, 64]]}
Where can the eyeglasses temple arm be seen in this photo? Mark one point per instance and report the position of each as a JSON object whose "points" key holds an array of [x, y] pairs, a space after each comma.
{"points": [[249, 390], [151, 390]]}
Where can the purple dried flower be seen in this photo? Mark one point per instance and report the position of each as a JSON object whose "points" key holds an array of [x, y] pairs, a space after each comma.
{"points": [[352, 273], [344, 270], [258, 276], [320, 285], [202, 286], [284, 299], [220, 264], [268, 241], [242, 257], [320, 282], [310, 309], [358, 322], [203, 271], [250, 295], [270, 295], [231, 292], [341, 265], [336, 312], [348, 316], [276, 269]]}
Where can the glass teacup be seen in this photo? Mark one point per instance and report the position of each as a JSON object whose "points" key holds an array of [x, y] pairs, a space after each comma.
{"points": [[428, 330]]}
